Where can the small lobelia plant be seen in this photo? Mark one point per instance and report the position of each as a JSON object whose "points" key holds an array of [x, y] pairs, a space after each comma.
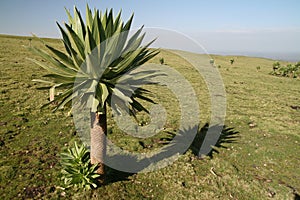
{"points": [[77, 168]]}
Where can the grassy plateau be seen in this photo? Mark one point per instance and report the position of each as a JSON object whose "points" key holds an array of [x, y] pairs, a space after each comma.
{"points": [[258, 157]]}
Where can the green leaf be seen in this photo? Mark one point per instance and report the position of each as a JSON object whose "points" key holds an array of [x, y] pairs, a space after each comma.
{"points": [[109, 25], [90, 43], [96, 29], [43, 81], [117, 21], [51, 69], [121, 95], [104, 93], [104, 19], [79, 24], [64, 58], [65, 40], [59, 67], [70, 18], [89, 17], [128, 23], [75, 39], [134, 40]]}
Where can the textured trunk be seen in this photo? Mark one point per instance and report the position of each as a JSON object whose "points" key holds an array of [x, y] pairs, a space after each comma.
{"points": [[98, 142]]}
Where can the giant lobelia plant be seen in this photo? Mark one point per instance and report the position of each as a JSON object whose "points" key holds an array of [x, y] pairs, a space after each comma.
{"points": [[95, 67]]}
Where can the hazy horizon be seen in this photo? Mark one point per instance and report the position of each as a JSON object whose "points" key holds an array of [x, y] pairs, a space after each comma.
{"points": [[258, 28], [280, 56]]}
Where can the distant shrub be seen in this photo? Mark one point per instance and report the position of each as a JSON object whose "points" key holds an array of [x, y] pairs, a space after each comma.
{"points": [[30, 39], [276, 65], [258, 68], [162, 61], [290, 70], [231, 61]]}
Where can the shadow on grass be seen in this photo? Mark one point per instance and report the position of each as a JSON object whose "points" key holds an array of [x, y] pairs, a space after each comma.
{"points": [[297, 196], [114, 175], [228, 136], [176, 143], [124, 164]]}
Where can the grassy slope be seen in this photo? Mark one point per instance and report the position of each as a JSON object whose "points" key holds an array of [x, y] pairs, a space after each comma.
{"points": [[262, 164]]}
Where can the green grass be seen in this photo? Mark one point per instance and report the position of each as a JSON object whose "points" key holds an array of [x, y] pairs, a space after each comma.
{"points": [[263, 163]]}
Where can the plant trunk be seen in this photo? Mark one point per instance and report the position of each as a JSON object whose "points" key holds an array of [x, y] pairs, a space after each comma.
{"points": [[98, 142]]}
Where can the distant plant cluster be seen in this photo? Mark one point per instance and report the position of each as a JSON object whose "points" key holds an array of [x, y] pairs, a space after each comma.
{"points": [[290, 70]]}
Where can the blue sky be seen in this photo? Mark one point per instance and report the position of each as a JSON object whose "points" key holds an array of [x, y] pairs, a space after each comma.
{"points": [[218, 25]]}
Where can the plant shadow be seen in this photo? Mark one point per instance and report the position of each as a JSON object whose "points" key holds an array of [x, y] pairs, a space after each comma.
{"points": [[227, 136], [114, 175], [124, 164], [177, 142], [296, 196]]}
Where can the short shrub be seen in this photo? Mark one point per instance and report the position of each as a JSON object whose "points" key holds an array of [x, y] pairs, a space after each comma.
{"points": [[162, 61], [231, 61], [289, 70]]}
